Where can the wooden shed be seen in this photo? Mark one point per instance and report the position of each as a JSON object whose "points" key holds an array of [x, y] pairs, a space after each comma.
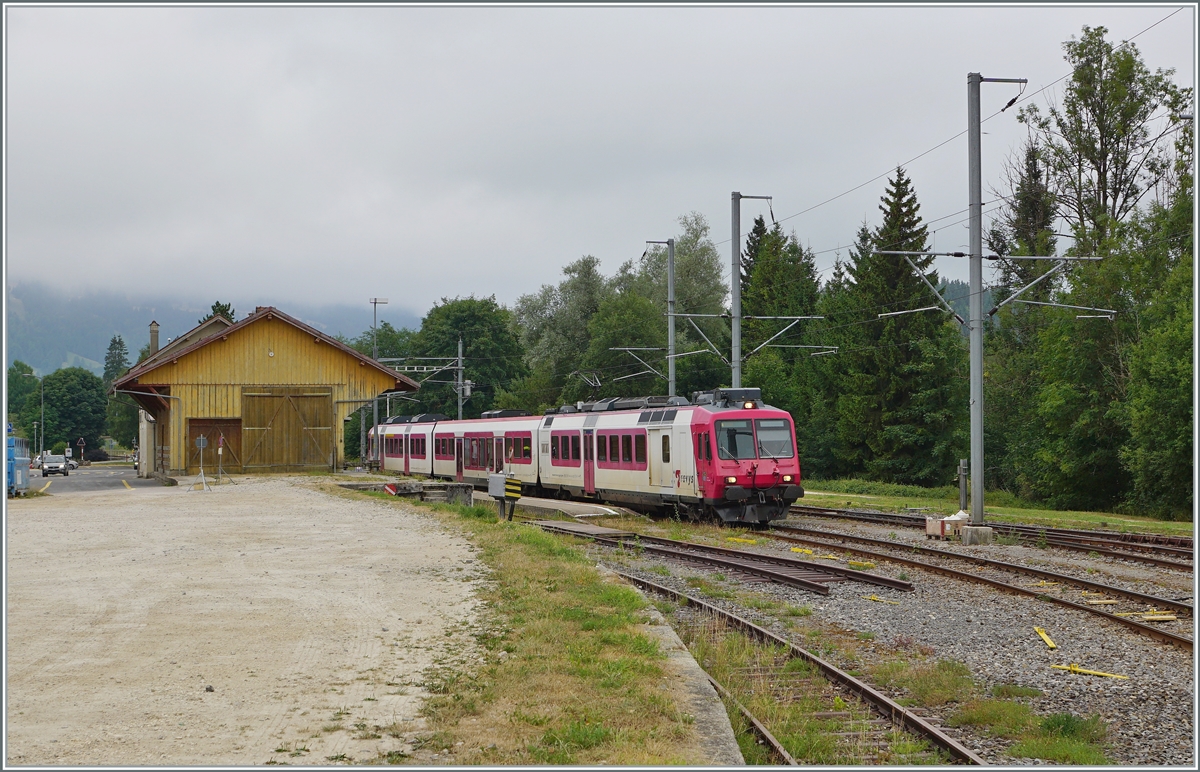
{"points": [[270, 391]]}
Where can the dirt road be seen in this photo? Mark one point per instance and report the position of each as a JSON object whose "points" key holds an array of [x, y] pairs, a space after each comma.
{"points": [[311, 616]]}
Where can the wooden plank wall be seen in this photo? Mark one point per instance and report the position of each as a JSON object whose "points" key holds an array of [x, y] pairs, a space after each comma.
{"points": [[269, 353]]}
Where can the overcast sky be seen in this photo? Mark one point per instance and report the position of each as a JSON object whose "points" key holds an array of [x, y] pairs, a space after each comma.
{"points": [[327, 155]]}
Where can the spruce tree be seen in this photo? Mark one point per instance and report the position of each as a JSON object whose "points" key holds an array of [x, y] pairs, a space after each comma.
{"points": [[1012, 374], [905, 381], [220, 309], [754, 244], [116, 360]]}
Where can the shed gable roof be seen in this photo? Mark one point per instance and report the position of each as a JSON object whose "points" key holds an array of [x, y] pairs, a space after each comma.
{"points": [[403, 382]]}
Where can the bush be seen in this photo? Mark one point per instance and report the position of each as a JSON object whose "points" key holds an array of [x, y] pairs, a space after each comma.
{"points": [[98, 454]]}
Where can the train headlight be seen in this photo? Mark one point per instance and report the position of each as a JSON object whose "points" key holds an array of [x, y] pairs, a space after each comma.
{"points": [[787, 478], [749, 405], [731, 480]]}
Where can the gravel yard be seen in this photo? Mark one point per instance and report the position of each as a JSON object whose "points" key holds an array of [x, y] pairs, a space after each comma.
{"points": [[306, 613]]}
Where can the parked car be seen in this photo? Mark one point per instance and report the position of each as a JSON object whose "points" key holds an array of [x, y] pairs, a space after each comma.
{"points": [[55, 465], [72, 463]]}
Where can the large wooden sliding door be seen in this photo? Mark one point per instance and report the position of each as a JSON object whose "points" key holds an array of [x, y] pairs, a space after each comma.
{"points": [[287, 429]]}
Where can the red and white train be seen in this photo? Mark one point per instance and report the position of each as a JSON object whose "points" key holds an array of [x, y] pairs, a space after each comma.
{"points": [[723, 454]]}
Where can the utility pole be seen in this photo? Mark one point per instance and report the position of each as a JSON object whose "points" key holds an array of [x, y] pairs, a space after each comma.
{"points": [[976, 316], [458, 385], [670, 314], [735, 281], [975, 322], [375, 303]]}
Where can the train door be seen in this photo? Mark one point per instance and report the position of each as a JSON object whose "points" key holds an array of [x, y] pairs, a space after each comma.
{"points": [[499, 457], [659, 452], [703, 451], [405, 444], [589, 462], [458, 458]]}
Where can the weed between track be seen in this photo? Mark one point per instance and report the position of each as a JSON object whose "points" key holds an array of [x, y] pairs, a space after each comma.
{"points": [[812, 721]]}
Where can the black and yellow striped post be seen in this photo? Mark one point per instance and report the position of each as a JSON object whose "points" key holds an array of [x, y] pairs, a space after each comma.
{"points": [[512, 492]]}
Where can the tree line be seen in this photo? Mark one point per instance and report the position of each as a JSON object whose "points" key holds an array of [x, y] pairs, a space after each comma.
{"points": [[1091, 413], [1080, 413]]}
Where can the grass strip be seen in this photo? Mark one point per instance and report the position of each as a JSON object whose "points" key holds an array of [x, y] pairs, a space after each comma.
{"points": [[567, 677]]}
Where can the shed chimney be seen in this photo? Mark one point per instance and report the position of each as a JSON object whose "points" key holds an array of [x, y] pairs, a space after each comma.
{"points": [[153, 338]]}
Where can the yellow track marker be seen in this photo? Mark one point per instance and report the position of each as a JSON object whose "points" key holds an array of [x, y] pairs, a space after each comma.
{"points": [[740, 541], [828, 557], [1160, 618], [1043, 583], [127, 485], [878, 599], [1045, 637], [1073, 668], [44, 487], [859, 564], [1085, 592], [801, 550], [1102, 602]]}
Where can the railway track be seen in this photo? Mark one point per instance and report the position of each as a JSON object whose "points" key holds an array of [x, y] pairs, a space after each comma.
{"points": [[890, 711], [1163, 551], [807, 575], [1043, 591]]}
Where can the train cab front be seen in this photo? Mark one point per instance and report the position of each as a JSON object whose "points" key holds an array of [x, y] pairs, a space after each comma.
{"points": [[755, 473]]}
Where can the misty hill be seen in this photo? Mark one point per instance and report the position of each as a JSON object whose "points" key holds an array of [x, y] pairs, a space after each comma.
{"points": [[48, 329]]}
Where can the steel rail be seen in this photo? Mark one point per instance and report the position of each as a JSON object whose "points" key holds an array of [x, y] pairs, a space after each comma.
{"points": [[1051, 536], [775, 576], [1152, 632], [759, 728], [1102, 551], [1104, 546], [849, 573], [1015, 567], [887, 707], [917, 520]]}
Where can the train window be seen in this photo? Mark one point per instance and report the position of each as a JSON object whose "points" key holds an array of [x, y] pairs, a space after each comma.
{"points": [[666, 443], [574, 447], [508, 447], [656, 416], [614, 447], [553, 447], [774, 438], [639, 449], [735, 440], [527, 447], [707, 446], [699, 440], [626, 448], [669, 415], [602, 448], [645, 417]]}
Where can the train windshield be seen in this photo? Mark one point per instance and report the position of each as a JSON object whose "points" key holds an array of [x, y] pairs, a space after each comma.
{"points": [[735, 440], [774, 438]]}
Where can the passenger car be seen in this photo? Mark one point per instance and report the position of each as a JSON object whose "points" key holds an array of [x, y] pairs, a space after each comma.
{"points": [[55, 465]]}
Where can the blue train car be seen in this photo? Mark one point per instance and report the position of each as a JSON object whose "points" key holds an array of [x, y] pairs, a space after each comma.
{"points": [[16, 468]]}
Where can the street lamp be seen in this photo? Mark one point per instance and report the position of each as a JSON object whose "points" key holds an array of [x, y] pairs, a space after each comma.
{"points": [[375, 303], [42, 383]]}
